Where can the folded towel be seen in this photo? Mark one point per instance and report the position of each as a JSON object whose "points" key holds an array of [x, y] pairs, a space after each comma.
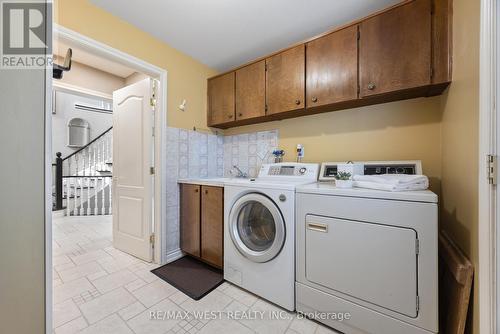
{"points": [[396, 179], [392, 182]]}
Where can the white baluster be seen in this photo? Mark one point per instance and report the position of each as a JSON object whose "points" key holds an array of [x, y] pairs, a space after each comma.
{"points": [[68, 172], [77, 168], [66, 194], [80, 208], [103, 143], [71, 182], [88, 196], [103, 204], [94, 184], [110, 182], [83, 162], [75, 187]]}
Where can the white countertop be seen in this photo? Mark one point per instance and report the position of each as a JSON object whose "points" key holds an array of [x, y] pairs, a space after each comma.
{"points": [[215, 182]]}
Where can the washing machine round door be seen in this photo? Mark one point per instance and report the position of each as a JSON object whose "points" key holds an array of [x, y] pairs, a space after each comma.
{"points": [[256, 227]]}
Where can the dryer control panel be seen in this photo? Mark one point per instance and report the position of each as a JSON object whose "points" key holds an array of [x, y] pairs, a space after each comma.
{"points": [[412, 167]]}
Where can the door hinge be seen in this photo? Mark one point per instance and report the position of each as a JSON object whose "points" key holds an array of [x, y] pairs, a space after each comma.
{"points": [[359, 89], [418, 304], [417, 246], [151, 170], [359, 35], [432, 72], [266, 107], [152, 102], [152, 239], [492, 169], [265, 67]]}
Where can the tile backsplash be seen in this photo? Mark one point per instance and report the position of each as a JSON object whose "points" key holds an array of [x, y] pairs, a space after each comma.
{"points": [[248, 151], [194, 154]]}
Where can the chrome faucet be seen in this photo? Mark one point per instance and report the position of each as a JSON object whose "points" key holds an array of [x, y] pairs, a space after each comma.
{"points": [[240, 173]]}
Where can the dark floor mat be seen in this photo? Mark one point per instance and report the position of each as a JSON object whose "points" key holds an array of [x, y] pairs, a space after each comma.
{"points": [[191, 276]]}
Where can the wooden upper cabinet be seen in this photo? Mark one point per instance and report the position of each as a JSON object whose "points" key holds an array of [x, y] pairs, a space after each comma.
{"points": [[332, 68], [251, 91], [285, 81], [395, 49], [212, 225], [221, 99], [190, 218]]}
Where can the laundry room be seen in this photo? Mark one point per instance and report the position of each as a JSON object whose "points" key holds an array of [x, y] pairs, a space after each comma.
{"points": [[272, 167]]}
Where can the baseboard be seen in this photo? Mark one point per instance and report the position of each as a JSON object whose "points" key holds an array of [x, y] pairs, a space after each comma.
{"points": [[174, 255], [58, 214]]}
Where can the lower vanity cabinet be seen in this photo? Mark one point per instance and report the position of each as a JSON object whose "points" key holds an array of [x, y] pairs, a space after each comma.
{"points": [[212, 225], [190, 214], [202, 222]]}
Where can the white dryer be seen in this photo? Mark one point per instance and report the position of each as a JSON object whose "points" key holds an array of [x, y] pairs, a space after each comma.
{"points": [[259, 230], [372, 254]]}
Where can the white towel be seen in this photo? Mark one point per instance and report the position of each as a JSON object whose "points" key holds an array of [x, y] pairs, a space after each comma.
{"points": [[392, 182]]}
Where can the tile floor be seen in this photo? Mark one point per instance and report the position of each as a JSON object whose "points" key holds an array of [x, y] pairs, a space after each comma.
{"points": [[101, 290]]}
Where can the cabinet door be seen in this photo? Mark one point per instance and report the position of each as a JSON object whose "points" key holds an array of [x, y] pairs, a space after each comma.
{"points": [[332, 68], [251, 91], [285, 81], [190, 219], [221, 99], [212, 224], [395, 49]]}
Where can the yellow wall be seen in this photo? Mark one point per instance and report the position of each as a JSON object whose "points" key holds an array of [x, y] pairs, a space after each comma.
{"points": [[186, 76], [393, 131], [459, 200]]}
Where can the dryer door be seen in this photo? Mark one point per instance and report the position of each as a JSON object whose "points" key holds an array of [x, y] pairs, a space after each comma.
{"points": [[256, 227]]}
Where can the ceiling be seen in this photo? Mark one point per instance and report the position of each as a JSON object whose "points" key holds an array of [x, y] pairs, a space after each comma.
{"points": [[226, 33], [83, 57]]}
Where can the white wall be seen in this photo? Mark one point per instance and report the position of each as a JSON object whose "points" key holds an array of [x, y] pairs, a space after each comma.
{"points": [[22, 201], [135, 77], [88, 77], [65, 111]]}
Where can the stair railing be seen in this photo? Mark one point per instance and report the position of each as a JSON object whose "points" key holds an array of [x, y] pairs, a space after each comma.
{"points": [[83, 179]]}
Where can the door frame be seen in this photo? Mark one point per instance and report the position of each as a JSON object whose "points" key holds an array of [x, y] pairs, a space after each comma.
{"points": [[488, 194], [159, 194]]}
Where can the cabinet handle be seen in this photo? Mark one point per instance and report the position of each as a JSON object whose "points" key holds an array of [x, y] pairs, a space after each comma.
{"points": [[240, 114], [206, 191], [371, 86], [297, 102], [314, 99], [196, 190], [229, 116]]}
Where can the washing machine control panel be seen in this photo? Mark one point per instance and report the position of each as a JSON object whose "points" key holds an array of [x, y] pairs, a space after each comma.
{"points": [[297, 171]]}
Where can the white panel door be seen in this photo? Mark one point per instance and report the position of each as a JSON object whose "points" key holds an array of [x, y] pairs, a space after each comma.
{"points": [[371, 262], [132, 159]]}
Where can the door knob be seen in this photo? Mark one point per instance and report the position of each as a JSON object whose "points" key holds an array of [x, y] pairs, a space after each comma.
{"points": [[240, 114], [196, 190], [206, 191], [371, 86], [229, 116], [314, 99], [297, 102]]}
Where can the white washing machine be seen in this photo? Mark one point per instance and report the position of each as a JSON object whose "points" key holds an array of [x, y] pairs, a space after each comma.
{"points": [[368, 253], [259, 231]]}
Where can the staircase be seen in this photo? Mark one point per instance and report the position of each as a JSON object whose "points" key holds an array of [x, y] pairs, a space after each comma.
{"points": [[83, 179]]}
